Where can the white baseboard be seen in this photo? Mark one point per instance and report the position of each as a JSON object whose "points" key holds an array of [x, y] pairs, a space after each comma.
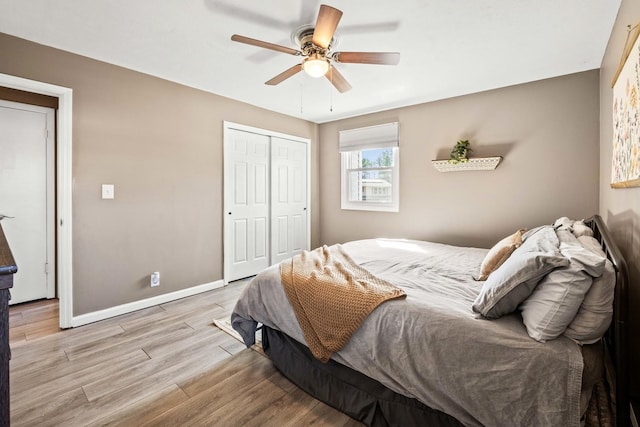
{"points": [[118, 310]]}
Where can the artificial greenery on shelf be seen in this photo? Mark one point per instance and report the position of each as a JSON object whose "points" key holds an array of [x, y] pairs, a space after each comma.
{"points": [[460, 152]]}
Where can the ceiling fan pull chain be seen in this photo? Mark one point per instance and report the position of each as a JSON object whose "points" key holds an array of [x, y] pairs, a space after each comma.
{"points": [[301, 88], [331, 91]]}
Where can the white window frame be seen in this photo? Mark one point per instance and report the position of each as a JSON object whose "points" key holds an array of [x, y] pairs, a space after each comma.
{"points": [[370, 205]]}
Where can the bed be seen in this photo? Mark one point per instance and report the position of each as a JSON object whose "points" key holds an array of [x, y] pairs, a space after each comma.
{"points": [[436, 356]]}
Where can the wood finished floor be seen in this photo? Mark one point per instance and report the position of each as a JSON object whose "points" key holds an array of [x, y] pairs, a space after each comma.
{"points": [[167, 365]]}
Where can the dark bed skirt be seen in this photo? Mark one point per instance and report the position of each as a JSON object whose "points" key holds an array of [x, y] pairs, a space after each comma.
{"points": [[345, 389]]}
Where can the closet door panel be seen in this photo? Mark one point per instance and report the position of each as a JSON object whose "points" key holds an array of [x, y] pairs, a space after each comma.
{"points": [[289, 208], [246, 202]]}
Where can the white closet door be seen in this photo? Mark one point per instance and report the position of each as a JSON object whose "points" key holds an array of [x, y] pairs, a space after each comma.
{"points": [[289, 214], [246, 203], [26, 194]]}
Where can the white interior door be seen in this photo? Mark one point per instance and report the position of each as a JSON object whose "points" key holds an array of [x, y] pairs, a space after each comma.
{"points": [[289, 214], [27, 195], [246, 204]]}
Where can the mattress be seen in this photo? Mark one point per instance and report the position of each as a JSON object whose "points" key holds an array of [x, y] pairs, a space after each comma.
{"points": [[431, 346]]}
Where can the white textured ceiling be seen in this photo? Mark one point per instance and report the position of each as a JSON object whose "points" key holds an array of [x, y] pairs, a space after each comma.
{"points": [[448, 47]]}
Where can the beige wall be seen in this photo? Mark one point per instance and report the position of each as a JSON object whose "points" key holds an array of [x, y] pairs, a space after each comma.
{"points": [[621, 207], [160, 143], [547, 132]]}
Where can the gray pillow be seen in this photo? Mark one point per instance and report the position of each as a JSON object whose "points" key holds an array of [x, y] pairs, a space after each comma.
{"points": [[533, 231], [596, 311], [540, 239], [553, 304], [514, 281]]}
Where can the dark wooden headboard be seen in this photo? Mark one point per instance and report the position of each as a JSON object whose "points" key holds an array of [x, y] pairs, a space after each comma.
{"points": [[616, 337]]}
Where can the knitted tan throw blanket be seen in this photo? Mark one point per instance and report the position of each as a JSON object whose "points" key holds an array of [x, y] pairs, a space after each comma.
{"points": [[331, 296]]}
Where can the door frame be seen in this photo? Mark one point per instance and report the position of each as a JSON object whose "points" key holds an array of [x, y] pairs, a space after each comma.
{"points": [[64, 224], [245, 128], [50, 177]]}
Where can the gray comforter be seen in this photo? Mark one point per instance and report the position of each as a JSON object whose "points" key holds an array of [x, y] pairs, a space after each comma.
{"points": [[431, 346]]}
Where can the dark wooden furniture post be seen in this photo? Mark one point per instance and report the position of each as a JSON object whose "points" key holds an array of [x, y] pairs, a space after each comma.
{"points": [[7, 269]]}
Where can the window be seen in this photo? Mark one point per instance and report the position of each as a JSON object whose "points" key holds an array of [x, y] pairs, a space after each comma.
{"points": [[370, 168]]}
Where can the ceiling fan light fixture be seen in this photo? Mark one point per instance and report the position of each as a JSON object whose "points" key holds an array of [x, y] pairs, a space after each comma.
{"points": [[316, 47], [316, 65]]}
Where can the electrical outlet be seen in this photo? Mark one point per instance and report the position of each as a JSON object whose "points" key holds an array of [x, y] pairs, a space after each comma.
{"points": [[155, 278]]}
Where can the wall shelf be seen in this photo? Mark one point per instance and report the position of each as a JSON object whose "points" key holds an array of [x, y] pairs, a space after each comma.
{"points": [[474, 164]]}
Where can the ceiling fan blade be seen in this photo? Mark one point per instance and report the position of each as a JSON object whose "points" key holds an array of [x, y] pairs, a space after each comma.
{"points": [[284, 75], [384, 58], [266, 45], [338, 80], [326, 25]]}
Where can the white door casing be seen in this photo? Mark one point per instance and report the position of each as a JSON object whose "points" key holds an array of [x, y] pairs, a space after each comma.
{"points": [[27, 179], [238, 262], [246, 201], [289, 214], [64, 177]]}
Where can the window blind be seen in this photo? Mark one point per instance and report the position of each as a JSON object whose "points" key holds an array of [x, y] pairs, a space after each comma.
{"points": [[371, 137]]}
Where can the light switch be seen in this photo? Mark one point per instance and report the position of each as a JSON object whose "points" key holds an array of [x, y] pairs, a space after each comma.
{"points": [[108, 191]]}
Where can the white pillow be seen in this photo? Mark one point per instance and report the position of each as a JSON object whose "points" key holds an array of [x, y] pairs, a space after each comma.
{"points": [[563, 221], [579, 228], [553, 304], [596, 311]]}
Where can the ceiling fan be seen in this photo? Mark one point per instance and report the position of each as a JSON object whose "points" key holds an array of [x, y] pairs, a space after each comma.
{"points": [[315, 47]]}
